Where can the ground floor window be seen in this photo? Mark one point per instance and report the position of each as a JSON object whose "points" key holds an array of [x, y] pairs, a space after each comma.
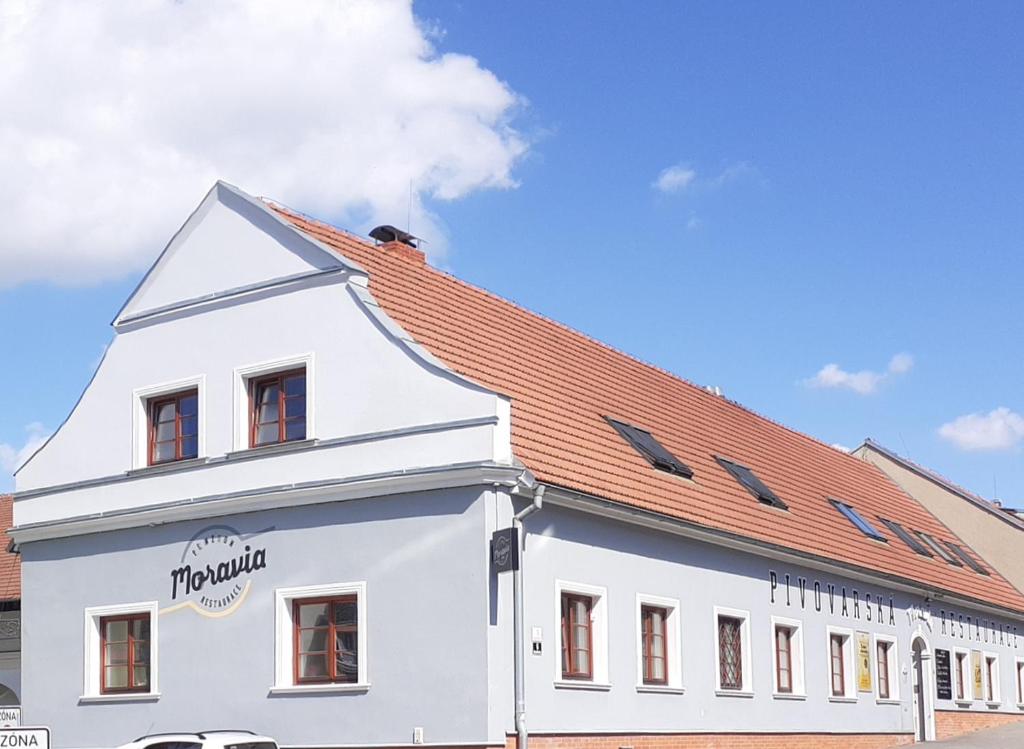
{"points": [[653, 624], [788, 657], [121, 652], [841, 663], [961, 674], [581, 623], [886, 664], [991, 678], [732, 643], [577, 637], [321, 640], [1019, 678]]}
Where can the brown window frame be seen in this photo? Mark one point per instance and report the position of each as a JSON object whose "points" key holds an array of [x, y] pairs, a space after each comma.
{"points": [[332, 629], [788, 653], [1020, 682], [723, 682], [961, 663], [833, 639], [648, 638], [282, 423], [570, 654], [132, 688], [152, 408], [882, 660], [990, 692]]}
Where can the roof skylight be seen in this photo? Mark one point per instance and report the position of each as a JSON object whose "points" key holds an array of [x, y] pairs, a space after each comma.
{"points": [[909, 540], [858, 520], [937, 548], [655, 453], [752, 483], [967, 558]]}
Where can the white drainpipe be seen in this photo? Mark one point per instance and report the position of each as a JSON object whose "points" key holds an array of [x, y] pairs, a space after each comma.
{"points": [[522, 738]]}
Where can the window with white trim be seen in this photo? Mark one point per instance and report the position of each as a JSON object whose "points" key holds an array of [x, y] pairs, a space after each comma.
{"points": [[961, 675], [887, 684], [788, 657], [1018, 677], [581, 620], [658, 643], [991, 678], [168, 422], [320, 638], [121, 652], [274, 402], [841, 664], [734, 675]]}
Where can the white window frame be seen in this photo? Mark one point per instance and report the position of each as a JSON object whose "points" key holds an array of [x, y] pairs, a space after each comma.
{"points": [[849, 665], [796, 657], [968, 678], [673, 644], [141, 398], [240, 400], [598, 635], [997, 697], [1018, 680], [284, 631], [893, 669], [93, 661], [746, 664]]}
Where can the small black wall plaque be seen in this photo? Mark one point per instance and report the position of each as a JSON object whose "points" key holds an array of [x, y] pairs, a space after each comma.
{"points": [[943, 677], [505, 550]]}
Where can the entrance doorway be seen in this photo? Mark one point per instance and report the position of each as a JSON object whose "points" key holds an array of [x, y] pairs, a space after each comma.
{"points": [[924, 709]]}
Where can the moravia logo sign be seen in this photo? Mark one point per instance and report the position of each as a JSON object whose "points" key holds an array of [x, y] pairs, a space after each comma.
{"points": [[216, 570]]}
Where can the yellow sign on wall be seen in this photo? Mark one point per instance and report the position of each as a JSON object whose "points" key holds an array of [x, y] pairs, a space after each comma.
{"points": [[863, 662], [979, 683]]}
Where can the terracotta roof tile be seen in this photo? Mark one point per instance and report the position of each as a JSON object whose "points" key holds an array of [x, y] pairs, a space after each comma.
{"points": [[563, 384], [10, 563]]}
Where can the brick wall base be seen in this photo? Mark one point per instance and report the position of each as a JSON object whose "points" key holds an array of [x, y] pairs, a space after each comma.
{"points": [[950, 723], [718, 741]]}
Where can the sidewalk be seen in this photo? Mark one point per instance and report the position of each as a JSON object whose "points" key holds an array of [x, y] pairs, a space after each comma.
{"points": [[1007, 737]]}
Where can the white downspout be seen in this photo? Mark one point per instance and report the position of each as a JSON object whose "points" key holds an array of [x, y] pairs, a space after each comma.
{"points": [[522, 738]]}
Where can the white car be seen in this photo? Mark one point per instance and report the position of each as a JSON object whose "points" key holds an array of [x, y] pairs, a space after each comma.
{"points": [[222, 739]]}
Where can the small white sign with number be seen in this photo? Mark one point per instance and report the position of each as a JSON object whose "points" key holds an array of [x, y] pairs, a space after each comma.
{"points": [[10, 717], [24, 738]]}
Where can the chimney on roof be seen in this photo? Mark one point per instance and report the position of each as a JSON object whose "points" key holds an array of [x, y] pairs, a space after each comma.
{"points": [[400, 243]]}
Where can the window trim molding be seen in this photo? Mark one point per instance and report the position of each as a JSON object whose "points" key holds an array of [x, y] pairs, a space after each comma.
{"points": [[746, 664], [598, 635], [284, 652], [987, 683], [796, 659], [141, 398], [240, 421], [965, 675], [893, 668], [673, 644], [849, 665], [1018, 679], [92, 660]]}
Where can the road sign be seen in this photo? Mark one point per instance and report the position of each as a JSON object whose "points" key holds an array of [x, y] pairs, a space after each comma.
{"points": [[10, 717], [25, 738]]}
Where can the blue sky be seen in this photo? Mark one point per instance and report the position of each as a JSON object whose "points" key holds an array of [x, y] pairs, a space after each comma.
{"points": [[837, 187]]}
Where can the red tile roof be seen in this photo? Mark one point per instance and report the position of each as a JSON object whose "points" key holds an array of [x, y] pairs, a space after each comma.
{"points": [[563, 384], [10, 563]]}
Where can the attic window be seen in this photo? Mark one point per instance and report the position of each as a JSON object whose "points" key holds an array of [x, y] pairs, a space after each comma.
{"points": [[752, 483], [858, 520], [653, 451], [937, 548], [967, 558], [909, 540]]}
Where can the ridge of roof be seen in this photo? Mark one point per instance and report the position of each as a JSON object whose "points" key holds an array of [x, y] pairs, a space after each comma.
{"points": [[1003, 513], [565, 382]]}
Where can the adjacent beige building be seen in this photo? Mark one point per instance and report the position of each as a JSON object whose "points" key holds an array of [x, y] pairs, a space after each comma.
{"points": [[994, 532]]}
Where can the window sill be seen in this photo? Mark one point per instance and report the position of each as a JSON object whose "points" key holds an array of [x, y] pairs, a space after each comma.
{"points": [[276, 447], [320, 689], [994, 703], [660, 689], [788, 696], [1020, 705], [592, 686], [963, 703], [86, 699], [833, 698], [733, 693], [168, 467], [887, 701]]}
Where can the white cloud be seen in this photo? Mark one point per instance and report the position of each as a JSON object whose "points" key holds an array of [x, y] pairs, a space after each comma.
{"points": [[999, 429], [119, 116], [675, 178], [864, 382], [839, 447], [12, 456]]}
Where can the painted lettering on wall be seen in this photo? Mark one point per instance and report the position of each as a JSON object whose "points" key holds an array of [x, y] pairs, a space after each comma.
{"points": [[962, 626], [836, 600], [216, 567]]}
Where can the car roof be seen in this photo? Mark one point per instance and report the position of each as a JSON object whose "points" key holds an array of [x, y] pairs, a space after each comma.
{"points": [[222, 735]]}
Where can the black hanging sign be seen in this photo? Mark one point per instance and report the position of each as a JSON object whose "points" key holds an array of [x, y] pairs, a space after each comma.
{"points": [[943, 676], [505, 549]]}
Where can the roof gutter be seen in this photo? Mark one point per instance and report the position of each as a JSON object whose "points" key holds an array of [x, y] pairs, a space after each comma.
{"points": [[570, 498]]}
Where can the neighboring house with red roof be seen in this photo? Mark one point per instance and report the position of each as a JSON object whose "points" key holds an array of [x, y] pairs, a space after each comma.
{"points": [[273, 507], [995, 532], [10, 611]]}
